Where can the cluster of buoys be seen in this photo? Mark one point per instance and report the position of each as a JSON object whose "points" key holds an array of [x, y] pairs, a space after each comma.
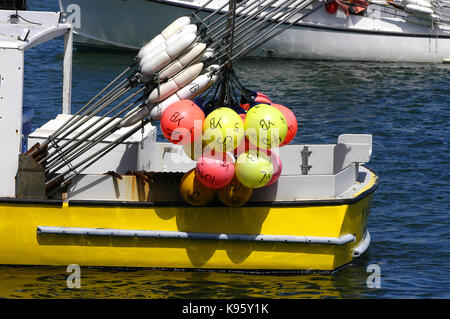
{"points": [[234, 153]]}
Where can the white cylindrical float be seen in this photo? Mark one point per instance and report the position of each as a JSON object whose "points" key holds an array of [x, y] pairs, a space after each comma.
{"points": [[174, 84], [161, 60], [421, 3], [170, 30], [180, 63], [418, 10], [183, 38]]}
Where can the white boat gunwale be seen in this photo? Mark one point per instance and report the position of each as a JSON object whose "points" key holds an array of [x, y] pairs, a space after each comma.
{"points": [[114, 203], [259, 203]]}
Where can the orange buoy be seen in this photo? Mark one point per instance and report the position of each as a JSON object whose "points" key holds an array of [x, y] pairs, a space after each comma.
{"points": [[277, 166], [291, 123], [257, 98], [262, 98], [182, 122]]}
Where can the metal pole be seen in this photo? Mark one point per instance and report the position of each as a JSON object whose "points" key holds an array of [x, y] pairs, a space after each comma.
{"points": [[215, 23], [244, 19], [83, 108], [83, 118], [251, 30], [249, 47], [84, 138], [223, 97], [94, 157]]}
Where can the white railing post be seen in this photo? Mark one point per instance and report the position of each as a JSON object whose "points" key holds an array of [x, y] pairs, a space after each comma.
{"points": [[67, 72]]}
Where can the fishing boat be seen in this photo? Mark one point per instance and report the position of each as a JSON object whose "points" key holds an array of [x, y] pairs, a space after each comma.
{"points": [[125, 208], [369, 30]]}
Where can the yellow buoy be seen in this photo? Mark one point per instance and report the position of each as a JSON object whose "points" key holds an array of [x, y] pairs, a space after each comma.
{"points": [[265, 126], [223, 130], [253, 169], [193, 191], [234, 194]]}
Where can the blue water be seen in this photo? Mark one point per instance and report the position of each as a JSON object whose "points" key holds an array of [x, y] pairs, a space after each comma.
{"points": [[405, 106]]}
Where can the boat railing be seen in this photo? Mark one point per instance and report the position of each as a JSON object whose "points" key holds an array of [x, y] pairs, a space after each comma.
{"points": [[20, 31], [334, 170]]}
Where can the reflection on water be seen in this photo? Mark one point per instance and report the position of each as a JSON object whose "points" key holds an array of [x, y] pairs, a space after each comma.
{"points": [[51, 282]]}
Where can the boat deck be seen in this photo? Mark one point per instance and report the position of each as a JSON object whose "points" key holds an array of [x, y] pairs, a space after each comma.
{"points": [[29, 28]]}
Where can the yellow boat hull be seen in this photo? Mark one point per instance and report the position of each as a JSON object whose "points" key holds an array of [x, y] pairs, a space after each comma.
{"points": [[22, 244]]}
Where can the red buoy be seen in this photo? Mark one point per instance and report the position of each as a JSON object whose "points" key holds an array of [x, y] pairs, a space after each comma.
{"points": [[331, 7], [277, 166], [291, 122], [262, 98], [181, 122], [215, 172]]}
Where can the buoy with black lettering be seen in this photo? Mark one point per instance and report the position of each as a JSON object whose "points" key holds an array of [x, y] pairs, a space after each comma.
{"points": [[199, 85], [245, 144], [235, 194], [193, 191], [265, 126], [182, 122], [253, 168], [223, 130], [291, 120], [188, 92], [215, 171], [277, 166]]}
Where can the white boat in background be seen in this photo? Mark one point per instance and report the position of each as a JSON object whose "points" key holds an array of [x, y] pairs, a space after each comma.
{"points": [[396, 31]]}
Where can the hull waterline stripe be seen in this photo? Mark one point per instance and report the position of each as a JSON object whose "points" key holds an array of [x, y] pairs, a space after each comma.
{"points": [[79, 231]]}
